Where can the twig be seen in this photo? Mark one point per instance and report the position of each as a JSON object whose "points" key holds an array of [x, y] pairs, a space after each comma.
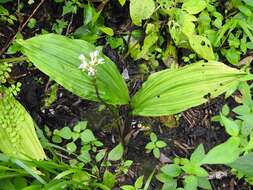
{"points": [[20, 28], [69, 25]]}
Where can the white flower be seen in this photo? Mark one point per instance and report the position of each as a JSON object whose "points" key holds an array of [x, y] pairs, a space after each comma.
{"points": [[90, 65], [91, 71]]}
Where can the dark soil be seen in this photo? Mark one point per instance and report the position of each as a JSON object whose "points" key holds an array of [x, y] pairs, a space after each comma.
{"points": [[195, 125]]}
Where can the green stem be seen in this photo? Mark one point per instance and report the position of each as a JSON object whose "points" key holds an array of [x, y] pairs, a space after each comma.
{"points": [[115, 114], [13, 59]]}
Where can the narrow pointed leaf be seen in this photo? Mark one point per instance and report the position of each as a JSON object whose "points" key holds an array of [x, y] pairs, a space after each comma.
{"points": [[171, 91]]}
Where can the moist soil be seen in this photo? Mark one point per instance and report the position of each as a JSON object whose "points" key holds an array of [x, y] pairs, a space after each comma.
{"points": [[194, 126]]}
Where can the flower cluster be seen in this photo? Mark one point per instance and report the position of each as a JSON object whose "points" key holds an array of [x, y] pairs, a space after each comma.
{"points": [[90, 65]]}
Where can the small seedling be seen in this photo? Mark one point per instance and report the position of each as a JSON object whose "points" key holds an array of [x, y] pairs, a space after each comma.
{"points": [[155, 145]]}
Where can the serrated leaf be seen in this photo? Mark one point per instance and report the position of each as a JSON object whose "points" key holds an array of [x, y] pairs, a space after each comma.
{"points": [[58, 57], [171, 91], [141, 10]]}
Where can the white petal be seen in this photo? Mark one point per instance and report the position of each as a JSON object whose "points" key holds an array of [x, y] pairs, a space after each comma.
{"points": [[96, 53], [100, 60], [82, 57], [81, 66]]}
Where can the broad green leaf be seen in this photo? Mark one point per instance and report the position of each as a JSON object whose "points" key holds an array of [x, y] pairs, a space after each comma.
{"points": [[231, 126], [190, 183], [249, 2], [172, 170], [204, 183], [116, 153], [141, 10], [198, 154], [81, 125], [171, 91], [71, 147], [194, 169], [202, 46], [224, 153], [194, 6], [58, 57], [139, 182], [107, 30], [232, 55], [172, 185], [18, 137], [245, 10], [100, 155], [109, 179], [153, 137], [156, 152], [87, 136], [65, 133], [242, 110], [161, 144], [244, 164]]}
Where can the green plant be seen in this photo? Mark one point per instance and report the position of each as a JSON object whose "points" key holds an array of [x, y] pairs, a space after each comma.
{"points": [[189, 169], [192, 171], [18, 136], [6, 17], [139, 183], [81, 68], [240, 128], [155, 145]]}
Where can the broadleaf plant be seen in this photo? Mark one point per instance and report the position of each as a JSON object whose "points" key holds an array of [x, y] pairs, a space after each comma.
{"points": [[171, 91], [162, 94], [58, 57], [17, 133]]}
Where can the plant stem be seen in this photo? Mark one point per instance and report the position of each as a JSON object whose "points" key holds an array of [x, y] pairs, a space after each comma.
{"points": [[115, 114]]}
